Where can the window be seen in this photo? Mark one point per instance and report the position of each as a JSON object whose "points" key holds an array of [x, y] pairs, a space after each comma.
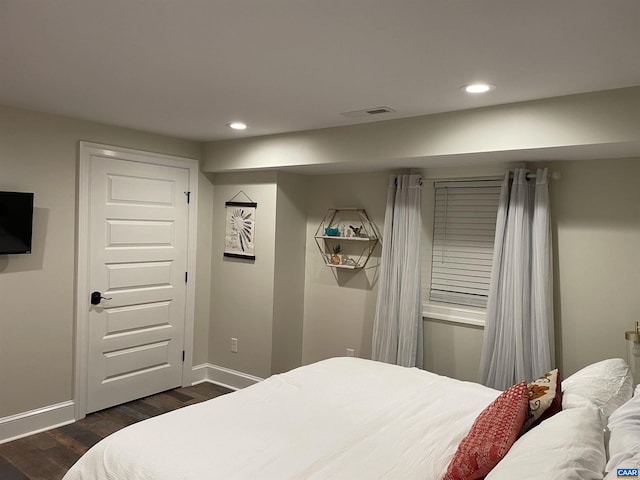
{"points": [[463, 236]]}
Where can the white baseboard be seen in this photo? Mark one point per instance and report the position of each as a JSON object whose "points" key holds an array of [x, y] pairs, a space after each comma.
{"points": [[225, 377], [199, 374], [53, 416], [36, 421]]}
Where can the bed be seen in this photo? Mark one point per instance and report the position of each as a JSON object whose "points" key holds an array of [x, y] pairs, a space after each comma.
{"points": [[349, 418]]}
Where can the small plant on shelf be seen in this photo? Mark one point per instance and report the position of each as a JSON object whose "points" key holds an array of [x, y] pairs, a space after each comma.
{"points": [[335, 257]]}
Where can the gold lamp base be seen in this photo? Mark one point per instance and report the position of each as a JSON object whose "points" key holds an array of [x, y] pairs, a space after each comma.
{"points": [[632, 335]]}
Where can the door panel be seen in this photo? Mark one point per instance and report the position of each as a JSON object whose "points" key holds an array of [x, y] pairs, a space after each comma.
{"points": [[128, 189], [135, 361], [138, 275], [137, 317], [123, 233], [138, 248]]}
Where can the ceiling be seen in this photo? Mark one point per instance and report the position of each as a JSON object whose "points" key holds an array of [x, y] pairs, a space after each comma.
{"points": [[185, 68]]}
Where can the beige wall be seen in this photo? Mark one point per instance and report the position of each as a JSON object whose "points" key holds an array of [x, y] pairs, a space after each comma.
{"points": [[288, 290], [339, 305], [595, 212], [575, 128], [203, 272], [242, 291], [38, 153], [452, 349], [596, 225], [590, 125], [299, 310], [260, 303]]}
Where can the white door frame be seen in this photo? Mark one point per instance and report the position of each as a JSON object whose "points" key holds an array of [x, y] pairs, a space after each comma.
{"points": [[87, 149]]}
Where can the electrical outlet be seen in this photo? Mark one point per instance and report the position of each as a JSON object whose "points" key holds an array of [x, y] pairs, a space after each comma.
{"points": [[351, 352], [234, 345]]}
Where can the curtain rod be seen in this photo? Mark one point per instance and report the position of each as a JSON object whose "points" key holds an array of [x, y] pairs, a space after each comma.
{"points": [[553, 175]]}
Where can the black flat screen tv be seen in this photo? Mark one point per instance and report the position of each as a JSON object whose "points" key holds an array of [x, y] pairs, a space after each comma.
{"points": [[16, 220]]}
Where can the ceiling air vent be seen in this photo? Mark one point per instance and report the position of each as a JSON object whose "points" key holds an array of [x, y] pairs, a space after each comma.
{"points": [[367, 112]]}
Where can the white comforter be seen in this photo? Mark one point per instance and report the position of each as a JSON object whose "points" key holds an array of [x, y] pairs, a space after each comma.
{"points": [[342, 418]]}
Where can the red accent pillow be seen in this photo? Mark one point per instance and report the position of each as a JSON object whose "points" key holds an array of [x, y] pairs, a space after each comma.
{"points": [[491, 435]]}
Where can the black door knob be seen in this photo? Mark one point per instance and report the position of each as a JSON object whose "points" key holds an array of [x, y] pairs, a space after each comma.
{"points": [[96, 297]]}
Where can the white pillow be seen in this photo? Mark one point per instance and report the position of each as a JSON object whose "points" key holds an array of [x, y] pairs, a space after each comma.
{"points": [[607, 384], [628, 462], [624, 427], [566, 446]]}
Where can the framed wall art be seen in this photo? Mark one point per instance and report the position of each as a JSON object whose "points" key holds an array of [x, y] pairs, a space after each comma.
{"points": [[239, 240]]}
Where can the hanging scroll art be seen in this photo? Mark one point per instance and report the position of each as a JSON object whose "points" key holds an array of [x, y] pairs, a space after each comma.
{"points": [[240, 230]]}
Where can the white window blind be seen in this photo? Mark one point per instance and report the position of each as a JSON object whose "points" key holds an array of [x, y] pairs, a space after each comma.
{"points": [[463, 235]]}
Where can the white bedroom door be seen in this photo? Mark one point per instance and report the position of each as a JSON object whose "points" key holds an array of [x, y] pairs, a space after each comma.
{"points": [[138, 222]]}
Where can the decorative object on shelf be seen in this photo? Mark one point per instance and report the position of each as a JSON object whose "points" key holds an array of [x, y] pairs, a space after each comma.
{"points": [[349, 262], [335, 258], [239, 240], [351, 232], [356, 230]]}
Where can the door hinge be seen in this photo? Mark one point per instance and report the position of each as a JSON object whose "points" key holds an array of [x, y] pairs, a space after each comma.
{"points": [[183, 355], [188, 194], [186, 277]]}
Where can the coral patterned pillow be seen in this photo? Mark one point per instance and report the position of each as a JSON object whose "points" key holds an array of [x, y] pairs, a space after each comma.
{"points": [[491, 435], [545, 398]]}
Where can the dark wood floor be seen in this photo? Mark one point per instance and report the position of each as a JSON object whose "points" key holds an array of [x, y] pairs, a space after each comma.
{"points": [[48, 455]]}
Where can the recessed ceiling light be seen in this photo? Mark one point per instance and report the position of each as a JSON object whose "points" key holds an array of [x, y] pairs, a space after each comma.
{"points": [[237, 125], [478, 87]]}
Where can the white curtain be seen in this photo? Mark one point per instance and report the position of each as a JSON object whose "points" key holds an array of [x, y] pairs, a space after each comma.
{"points": [[518, 335], [397, 328]]}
